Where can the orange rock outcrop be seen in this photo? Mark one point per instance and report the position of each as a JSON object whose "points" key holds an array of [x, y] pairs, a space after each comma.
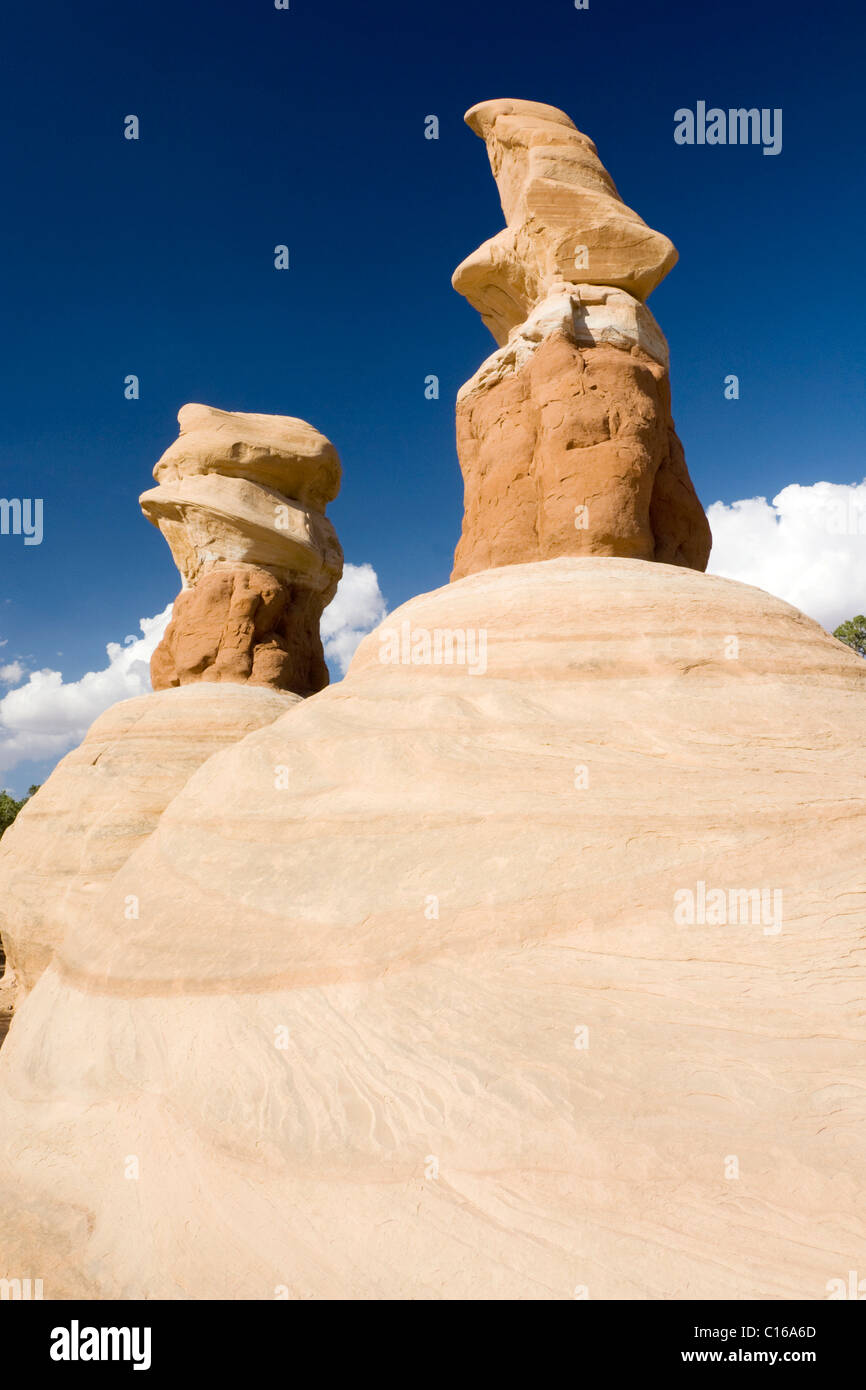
{"points": [[565, 434]]}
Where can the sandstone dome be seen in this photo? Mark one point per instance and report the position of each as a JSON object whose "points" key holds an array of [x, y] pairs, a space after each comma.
{"points": [[408, 1010], [103, 799]]}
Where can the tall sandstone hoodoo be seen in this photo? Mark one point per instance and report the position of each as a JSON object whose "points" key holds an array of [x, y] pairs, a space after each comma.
{"points": [[564, 434], [241, 502]]}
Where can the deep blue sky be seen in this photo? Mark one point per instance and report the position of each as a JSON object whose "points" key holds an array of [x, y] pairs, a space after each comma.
{"points": [[306, 127]]}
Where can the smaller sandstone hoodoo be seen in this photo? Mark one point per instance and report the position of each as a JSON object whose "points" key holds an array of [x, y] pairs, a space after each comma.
{"points": [[565, 435], [241, 502]]}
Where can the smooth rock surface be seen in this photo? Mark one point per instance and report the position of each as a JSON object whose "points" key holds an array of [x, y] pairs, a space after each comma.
{"points": [[407, 1012], [102, 801]]}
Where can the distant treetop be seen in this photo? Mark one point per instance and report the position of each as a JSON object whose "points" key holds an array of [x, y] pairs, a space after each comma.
{"points": [[853, 634]]}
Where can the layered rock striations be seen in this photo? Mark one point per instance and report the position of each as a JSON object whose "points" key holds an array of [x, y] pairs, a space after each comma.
{"points": [[241, 502], [565, 435], [483, 1057], [101, 802]]}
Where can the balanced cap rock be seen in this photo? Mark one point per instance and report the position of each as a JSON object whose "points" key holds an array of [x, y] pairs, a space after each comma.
{"points": [[565, 435], [241, 501]]}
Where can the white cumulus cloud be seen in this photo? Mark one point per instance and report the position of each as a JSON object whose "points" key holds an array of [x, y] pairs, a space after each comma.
{"points": [[12, 672], [807, 546], [47, 715], [357, 607]]}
